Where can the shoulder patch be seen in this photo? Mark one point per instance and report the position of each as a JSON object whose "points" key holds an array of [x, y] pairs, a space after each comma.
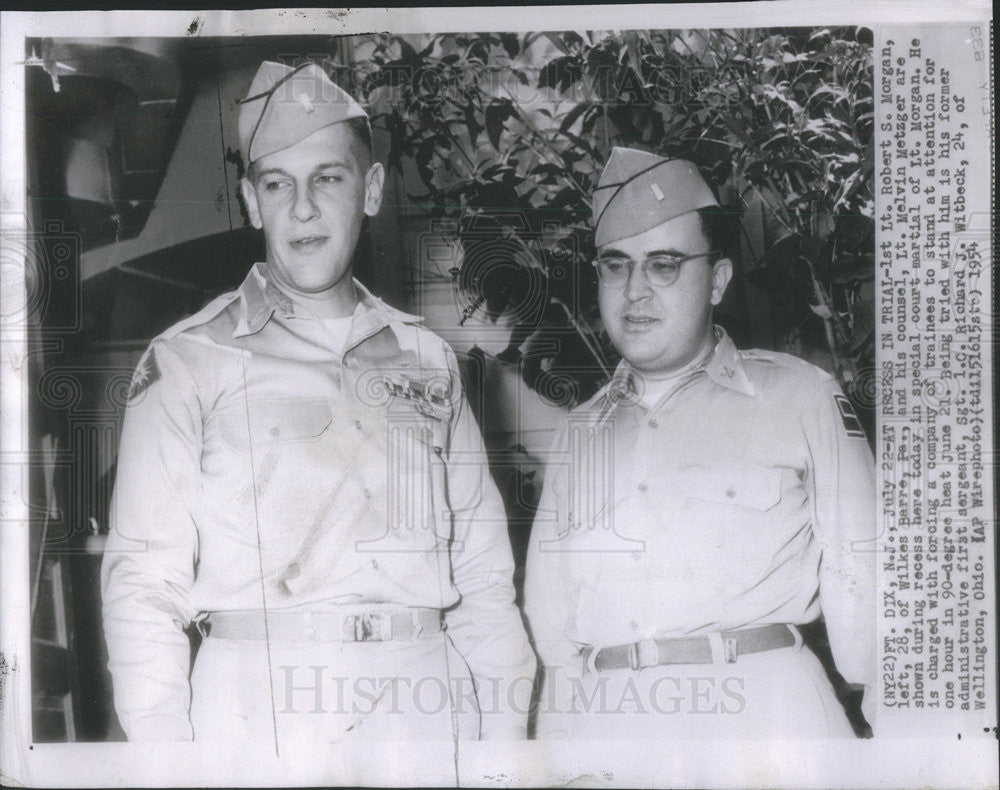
{"points": [[852, 424], [145, 374]]}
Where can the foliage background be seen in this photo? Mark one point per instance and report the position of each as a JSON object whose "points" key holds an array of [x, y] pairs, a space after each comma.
{"points": [[509, 133]]}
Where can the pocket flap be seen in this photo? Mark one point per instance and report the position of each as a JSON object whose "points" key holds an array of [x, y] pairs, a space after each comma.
{"points": [[757, 487], [284, 420]]}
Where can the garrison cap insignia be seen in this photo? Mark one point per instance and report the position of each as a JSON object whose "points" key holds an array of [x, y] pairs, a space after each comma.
{"points": [[147, 372], [852, 425], [639, 190], [285, 105]]}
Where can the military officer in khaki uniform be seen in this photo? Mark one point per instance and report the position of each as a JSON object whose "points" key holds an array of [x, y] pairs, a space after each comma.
{"points": [[300, 476], [702, 505]]}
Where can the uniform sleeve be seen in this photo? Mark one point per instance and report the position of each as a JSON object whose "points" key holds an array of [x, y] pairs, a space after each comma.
{"points": [[485, 626], [841, 485], [148, 566], [547, 601]]}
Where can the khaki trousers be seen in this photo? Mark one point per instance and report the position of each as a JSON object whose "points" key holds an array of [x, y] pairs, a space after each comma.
{"points": [[325, 693], [780, 693]]}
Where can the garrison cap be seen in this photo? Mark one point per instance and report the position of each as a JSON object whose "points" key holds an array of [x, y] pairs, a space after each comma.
{"points": [[285, 105], [639, 190]]}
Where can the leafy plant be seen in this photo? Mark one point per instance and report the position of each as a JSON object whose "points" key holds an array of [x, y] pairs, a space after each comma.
{"points": [[509, 132]]}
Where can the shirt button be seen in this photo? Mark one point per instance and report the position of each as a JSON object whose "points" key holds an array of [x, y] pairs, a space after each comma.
{"points": [[642, 487], [730, 493], [654, 424]]}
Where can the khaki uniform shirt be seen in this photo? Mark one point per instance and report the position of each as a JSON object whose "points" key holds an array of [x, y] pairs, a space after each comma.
{"points": [[744, 496], [259, 467]]}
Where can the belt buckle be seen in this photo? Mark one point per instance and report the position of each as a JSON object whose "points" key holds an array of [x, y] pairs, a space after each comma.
{"points": [[369, 627], [643, 654], [730, 649]]}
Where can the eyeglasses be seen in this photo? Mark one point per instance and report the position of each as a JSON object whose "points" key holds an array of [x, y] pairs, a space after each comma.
{"points": [[660, 270]]}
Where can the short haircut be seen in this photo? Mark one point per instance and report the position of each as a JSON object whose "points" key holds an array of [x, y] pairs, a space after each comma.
{"points": [[362, 130], [359, 127], [721, 227]]}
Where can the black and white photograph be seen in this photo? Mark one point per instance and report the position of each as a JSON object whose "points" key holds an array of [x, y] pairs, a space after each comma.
{"points": [[390, 397]]}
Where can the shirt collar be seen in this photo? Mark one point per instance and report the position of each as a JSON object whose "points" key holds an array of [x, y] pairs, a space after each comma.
{"points": [[724, 367], [620, 388], [260, 299], [372, 314]]}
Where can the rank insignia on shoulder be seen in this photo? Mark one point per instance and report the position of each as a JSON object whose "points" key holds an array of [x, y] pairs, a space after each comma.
{"points": [[144, 375], [852, 424]]}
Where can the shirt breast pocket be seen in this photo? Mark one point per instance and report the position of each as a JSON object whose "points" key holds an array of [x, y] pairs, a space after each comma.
{"points": [[275, 422], [290, 420], [754, 487], [734, 516]]}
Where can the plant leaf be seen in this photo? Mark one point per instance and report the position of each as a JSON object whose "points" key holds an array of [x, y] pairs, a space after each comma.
{"points": [[472, 124], [409, 54], [510, 44], [570, 118], [558, 42], [498, 111], [560, 73]]}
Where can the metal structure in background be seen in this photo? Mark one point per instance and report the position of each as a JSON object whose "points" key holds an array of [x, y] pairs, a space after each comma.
{"points": [[55, 686]]}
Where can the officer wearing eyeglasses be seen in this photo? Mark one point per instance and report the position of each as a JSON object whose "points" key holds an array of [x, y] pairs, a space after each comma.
{"points": [[705, 503]]}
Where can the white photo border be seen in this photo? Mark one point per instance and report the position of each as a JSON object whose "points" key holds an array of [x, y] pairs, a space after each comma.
{"points": [[924, 761]]}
